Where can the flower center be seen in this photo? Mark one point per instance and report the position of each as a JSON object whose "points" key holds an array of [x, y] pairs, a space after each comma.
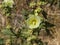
{"points": [[34, 22]]}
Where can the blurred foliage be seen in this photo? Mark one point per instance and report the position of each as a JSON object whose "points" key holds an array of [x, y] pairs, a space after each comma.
{"points": [[1, 41], [28, 28]]}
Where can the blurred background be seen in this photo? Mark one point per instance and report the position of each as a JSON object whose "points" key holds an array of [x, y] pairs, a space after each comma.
{"points": [[52, 11]]}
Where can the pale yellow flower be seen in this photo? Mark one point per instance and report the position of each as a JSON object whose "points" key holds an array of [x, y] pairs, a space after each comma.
{"points": [[33, 21]]}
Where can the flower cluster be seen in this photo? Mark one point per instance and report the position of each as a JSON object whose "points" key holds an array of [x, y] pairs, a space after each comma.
{"points": [[8, 3], [6, 7]]}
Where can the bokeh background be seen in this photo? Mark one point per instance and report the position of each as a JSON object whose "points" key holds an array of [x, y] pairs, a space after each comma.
{"points": [[52, 11]]}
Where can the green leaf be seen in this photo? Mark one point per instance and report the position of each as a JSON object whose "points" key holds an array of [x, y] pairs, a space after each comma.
{"points": [[7, 32], [1, 41], [24, 12], [26, 33]]}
